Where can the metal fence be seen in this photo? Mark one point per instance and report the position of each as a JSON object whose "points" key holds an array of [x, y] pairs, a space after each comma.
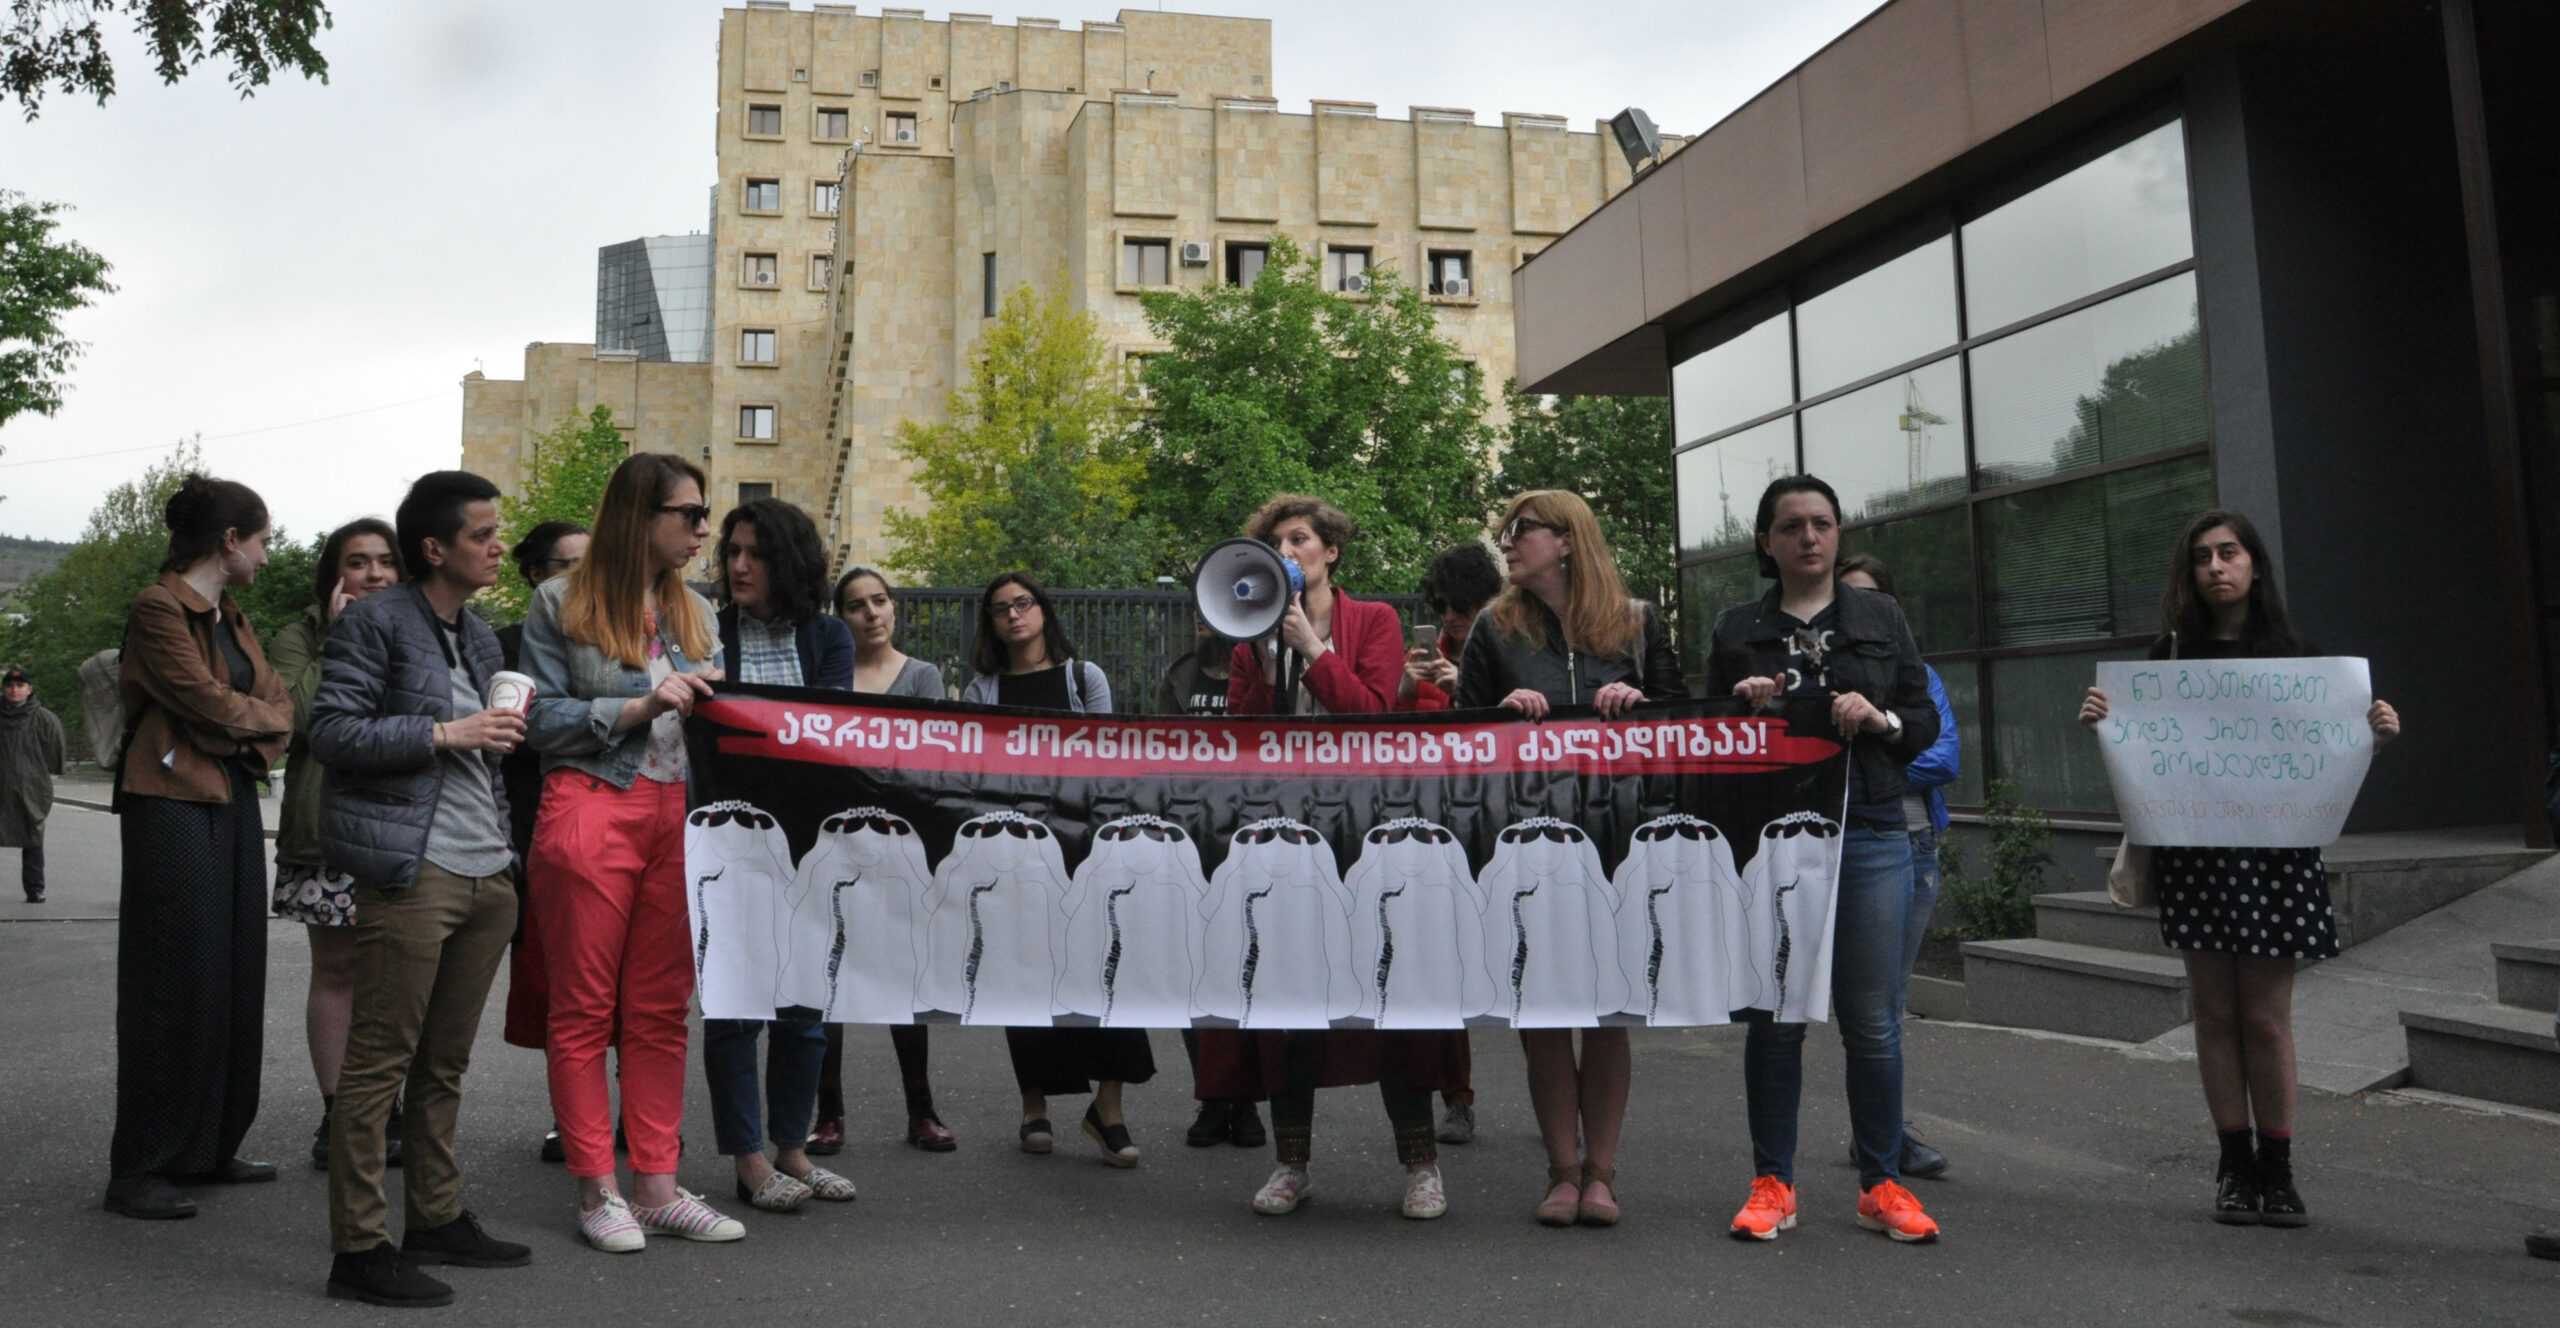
{"points": [[1135, 635]]}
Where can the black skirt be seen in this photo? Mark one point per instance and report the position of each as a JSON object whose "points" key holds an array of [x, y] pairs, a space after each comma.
{"points": [[1064, 1062], [2265, 903]]}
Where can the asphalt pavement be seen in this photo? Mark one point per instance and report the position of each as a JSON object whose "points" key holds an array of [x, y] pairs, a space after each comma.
{"points": [[2078, 1196]]}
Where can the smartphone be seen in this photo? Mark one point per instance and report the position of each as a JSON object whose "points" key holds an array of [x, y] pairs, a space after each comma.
{"points": [[1423, 638]]}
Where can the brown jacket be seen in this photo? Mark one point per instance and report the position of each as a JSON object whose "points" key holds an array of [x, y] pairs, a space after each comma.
{"points": [[185, 718]]}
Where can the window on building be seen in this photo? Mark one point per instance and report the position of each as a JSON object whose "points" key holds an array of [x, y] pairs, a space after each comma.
{"points": [[821, 266], [987, 300], [1245, 262], [2107, 221], [755, 423], [764, 120], [1892, 313], [755, 345], [760, 270], [1346, 268], [825, 197], [835, 123], [1133, 372], [1146, 262], [902, 127], [764, 195], [1451, 272], [753, 491]]}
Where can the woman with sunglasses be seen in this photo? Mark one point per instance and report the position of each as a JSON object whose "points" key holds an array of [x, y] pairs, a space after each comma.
{"points": [[619, 650], [1565, 632], [868, 604], [1349, 656], [1023, 658]]}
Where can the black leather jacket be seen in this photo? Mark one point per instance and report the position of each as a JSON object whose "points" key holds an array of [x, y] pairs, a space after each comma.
{"points": [[1870, 652], [1495, 664]]}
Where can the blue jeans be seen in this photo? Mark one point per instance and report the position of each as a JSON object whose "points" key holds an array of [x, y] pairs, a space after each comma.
{"points": [[1924, 896], [1866, 1002], [799, 1048]]}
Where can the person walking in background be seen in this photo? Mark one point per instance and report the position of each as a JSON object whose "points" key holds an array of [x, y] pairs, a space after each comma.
{"points": [[1455, 588], [356, 560], [1023, 658], [1811, 637], [30, 758], [1924, 809], [1565, 632], [868, 604], [416, 816], [774, 631], [2221, 601], [206, 718], [548, 550], [619, 650]]}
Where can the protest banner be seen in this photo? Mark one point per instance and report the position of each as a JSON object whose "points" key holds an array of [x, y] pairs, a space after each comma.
{"points": [[2236, 753], [882, 860]]}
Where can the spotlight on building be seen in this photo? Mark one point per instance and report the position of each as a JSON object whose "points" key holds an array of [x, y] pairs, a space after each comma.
{"points": [[1636, 137]]}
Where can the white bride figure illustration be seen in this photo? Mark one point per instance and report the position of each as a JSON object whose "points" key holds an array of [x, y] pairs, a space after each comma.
{"points": [[1551, 928], [857, 920], [1417, 928], [997, 924], [737, 864], [1134, 939], [1794, 876], [1681, 930], [1276, 952]]}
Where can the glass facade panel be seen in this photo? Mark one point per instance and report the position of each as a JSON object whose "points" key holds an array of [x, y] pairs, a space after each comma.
{"points": [[1707, 590], [1720, 485], [2086, 559], [2112, 220], [2112, 382], [1742, 379], [1893, 446], [1931, 559], [1891, 314], [2037, 741], [1963, 680]]}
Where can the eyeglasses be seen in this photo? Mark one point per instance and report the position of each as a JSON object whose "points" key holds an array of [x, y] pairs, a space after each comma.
{"points": [[561, 564], [694, 514], [1012, 608], [1521, 525]]}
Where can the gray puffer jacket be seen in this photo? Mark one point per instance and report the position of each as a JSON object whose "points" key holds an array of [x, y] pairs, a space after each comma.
{"points": [[385, 683]]}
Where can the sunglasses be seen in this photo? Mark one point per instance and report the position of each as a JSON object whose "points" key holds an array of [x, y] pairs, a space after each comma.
{"points": [[694, 514], [1397, 832], [845, 823], [1162, 832], [1019, 829], [1286, 832], [1554, 832], [1521, 525]]}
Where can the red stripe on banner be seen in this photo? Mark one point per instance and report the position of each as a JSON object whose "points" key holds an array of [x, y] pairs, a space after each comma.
{"points": [[819, 733]]}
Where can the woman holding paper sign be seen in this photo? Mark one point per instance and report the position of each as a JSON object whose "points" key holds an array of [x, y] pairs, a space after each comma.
{"points": [[2242, 918], [1813, 638], [1566, 633]]}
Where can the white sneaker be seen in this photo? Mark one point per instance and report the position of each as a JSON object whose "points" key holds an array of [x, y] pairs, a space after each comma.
{"points": [[611, 1228], [1424, 1197], [689, 1217], [1281, 1195]]}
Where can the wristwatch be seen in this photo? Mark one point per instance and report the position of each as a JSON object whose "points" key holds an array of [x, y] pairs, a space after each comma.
{"points": [[1892, 726]]}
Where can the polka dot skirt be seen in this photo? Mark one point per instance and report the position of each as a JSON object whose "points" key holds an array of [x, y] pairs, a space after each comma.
{"points": [[2270, 903]]}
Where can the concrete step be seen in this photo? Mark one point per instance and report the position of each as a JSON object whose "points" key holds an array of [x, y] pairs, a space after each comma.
{"points": [[2088, 917], [2067, 988], [2379, 881], [2528, 974], [2495, 1052]]}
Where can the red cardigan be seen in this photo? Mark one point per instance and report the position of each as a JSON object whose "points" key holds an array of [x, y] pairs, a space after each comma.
{"points": [[1358, 676]]}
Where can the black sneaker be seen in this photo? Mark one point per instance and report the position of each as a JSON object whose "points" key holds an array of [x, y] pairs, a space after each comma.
{"points": [[551, 1150], [1248, 1132], [1459, 1126], [380, 1276], [1919, 1160], [1215, 1124], [149, 1198], [2279, 1204], [463, 1244], [2236, 1199]]}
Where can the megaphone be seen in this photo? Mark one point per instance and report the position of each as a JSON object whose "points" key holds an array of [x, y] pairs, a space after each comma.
{"points": [[1243, 588]]}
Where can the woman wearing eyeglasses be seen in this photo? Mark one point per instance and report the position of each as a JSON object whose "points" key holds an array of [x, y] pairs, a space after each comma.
{"points": [[1563, 633], [868, 604], [620, 649], [1023, 658]]}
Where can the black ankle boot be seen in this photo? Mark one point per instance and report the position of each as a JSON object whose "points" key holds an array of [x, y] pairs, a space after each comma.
{"points": [[2280, 1204], [379, 1276], [1216, 1121]]}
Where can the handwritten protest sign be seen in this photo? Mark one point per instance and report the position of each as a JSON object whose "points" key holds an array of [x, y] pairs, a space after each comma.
{"points": [[2236, 753]]}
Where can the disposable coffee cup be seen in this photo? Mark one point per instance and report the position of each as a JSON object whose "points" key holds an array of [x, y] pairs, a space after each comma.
{"points": [[510, 691]]}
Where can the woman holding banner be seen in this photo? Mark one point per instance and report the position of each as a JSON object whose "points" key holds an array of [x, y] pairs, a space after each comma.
{"points": [[619, 650], [1566, 633], [1812, 638], [2241, 917], [1350, 656]]}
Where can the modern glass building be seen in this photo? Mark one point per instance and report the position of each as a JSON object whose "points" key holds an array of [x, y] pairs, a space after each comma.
{"points": [[653, 298], [2032, 284]]}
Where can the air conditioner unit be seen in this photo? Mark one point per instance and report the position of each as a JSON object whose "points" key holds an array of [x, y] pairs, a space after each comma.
{"points": [[1455, 286], [1356, 284], [761, 279], [904, 132], [869, 78], [1195, 254]]}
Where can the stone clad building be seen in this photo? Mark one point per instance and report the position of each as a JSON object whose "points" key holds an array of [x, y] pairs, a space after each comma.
{"points": [[885, 179]]}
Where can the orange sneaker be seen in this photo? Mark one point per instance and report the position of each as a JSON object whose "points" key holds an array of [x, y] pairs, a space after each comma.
{"points": [[1770, 1210], [1896, 1212]]}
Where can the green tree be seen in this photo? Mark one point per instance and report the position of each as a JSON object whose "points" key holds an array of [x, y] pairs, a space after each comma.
{"points": [[41, 279], [1034, 466], [1283, 386], [78, 608], [1616, 453], [565, 483], [61, 43]]}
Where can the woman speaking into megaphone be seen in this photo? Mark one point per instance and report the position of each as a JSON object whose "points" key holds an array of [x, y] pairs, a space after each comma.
{"points": [[1347, 655]]}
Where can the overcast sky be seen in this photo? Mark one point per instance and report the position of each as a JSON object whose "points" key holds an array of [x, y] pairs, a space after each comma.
{"points": [[304, 277]]}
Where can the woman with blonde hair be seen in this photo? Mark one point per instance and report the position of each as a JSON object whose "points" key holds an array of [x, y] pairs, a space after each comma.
{"points": [[620, 649], [1565, 632]]}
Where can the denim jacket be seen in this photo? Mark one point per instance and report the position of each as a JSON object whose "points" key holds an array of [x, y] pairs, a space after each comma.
{"points": [[579, 691]]}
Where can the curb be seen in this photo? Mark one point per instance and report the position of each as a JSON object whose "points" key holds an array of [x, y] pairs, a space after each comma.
{"points": [[86, 804]]}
